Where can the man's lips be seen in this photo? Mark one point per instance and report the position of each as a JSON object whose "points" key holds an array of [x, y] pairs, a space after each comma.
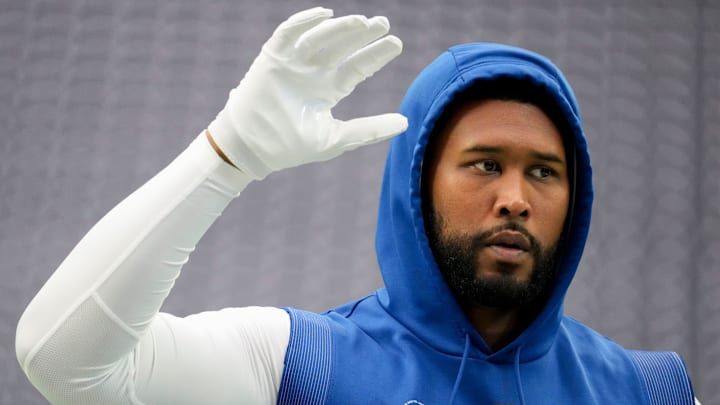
{"points": [[509, 240], [508, 246]]}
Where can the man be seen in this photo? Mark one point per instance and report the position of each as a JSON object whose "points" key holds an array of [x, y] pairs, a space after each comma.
{"points": [[484, 212]]}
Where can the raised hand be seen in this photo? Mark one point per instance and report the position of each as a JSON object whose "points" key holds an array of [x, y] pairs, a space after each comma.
{"points": [[279, 116]]}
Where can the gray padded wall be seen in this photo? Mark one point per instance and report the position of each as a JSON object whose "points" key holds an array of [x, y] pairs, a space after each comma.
{"points": [[97, 96]]}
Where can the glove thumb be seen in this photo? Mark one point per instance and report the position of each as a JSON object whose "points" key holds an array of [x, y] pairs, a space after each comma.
{"points": [[368, 130]]}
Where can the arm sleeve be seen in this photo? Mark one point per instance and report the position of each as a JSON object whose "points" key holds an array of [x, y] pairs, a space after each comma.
{"points": [[93, 334]]}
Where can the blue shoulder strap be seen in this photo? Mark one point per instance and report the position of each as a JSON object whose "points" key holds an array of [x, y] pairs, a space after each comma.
{"points": [[306, 375], [665, 377]]}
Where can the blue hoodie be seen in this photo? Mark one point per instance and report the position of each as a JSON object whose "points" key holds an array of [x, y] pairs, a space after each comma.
{"points": [[411, 343]]}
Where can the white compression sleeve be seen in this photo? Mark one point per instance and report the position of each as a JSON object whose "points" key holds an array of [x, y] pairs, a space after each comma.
{"points": [[93, 333]]}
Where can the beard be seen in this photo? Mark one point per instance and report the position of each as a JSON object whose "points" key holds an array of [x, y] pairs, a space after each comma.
{"points": [[457, 259]]}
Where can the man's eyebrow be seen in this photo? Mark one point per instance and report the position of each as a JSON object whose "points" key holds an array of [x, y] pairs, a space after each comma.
{"points": [[545, 156], [548, 157], [484, 149]]}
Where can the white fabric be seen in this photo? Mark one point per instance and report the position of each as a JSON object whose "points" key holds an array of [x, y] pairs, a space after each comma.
{"points": [[93, 334], [279, 116]]}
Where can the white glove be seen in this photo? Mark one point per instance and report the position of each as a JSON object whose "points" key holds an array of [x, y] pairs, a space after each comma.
{"points": [[279, 115]]}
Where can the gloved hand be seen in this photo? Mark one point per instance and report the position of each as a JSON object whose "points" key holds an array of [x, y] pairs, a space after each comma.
{"points": [[279, 116]]}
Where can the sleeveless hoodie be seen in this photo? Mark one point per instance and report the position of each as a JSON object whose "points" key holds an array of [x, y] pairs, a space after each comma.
{"points": [[411, 343]]}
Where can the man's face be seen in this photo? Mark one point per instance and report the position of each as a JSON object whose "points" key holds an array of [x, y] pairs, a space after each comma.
{"points": [[497, 183]]}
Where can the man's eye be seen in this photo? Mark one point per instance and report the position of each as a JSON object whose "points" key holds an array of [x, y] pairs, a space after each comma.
{"points": [[542, 172], [488, 166]]}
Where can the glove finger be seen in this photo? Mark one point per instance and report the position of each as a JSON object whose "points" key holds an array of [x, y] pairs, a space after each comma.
{"points": [[368, 130], [365, 62], [288, 32], [329, 43]]}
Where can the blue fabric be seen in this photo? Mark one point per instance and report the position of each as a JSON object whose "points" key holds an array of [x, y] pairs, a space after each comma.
{"points": [[310, 345], [410, 343], [665, 378]]}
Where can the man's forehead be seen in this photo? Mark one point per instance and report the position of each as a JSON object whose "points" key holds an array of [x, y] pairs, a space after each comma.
{"points": [[500, 123]]}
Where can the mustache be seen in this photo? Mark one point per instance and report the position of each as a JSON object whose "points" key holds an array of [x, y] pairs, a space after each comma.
{"points": [[480, 239]]}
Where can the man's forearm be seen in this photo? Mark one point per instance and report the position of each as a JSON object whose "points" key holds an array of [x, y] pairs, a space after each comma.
{"points": [[124, 268]]}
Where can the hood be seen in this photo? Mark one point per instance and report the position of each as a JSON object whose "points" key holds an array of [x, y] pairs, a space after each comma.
{"points": [[415, 292]]}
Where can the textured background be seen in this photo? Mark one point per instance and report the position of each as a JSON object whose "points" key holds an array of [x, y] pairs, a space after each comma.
{"points": [[97, 96]]}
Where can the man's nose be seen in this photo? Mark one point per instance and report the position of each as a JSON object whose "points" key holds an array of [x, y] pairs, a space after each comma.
{"points": [[512, 201]]}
